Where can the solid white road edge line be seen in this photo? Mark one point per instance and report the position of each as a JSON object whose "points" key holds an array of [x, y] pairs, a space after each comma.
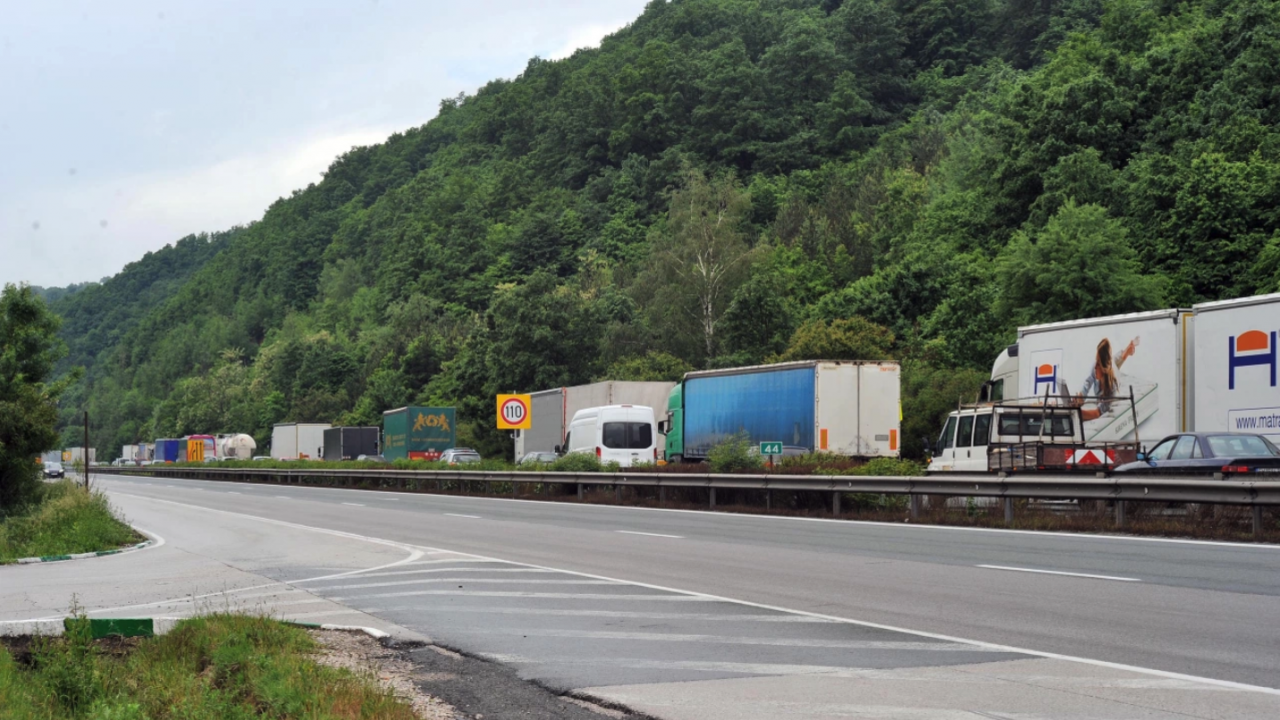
{"points": [[1058, 572], [473, 517], [846, 523], [775, 608], [636, 532]]}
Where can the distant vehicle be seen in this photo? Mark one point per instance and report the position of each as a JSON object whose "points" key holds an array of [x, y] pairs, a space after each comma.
{"points": [[539, 458], [1227, 453], [260, 458], [54, 470], [625, 434], [458, 456], [145, 463], [373, 458], [552, 410]]}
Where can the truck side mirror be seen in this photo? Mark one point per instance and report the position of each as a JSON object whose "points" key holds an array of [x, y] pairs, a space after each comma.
{"points": [[1142, 456], [559, 450], [662, 427]]}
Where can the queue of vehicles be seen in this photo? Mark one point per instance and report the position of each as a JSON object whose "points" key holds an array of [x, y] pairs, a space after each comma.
{"points": [[1138, 392]]}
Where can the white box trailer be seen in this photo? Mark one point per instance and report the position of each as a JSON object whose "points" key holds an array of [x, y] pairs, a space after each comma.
{"points": [[1148, 354], [298, 441], [551, 410], [1236, 377], [129, 453]]}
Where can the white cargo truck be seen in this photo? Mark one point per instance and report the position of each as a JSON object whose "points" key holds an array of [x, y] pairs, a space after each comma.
{"points": [[298, 441], [552, 410], [129, 453], [1236, 366]]}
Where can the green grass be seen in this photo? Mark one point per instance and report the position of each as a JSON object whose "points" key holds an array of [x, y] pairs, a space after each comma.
{"points": [[219, 667], [66, 520]]}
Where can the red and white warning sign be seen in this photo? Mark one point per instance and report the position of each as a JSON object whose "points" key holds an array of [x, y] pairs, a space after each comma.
{"points": [[513, 412]]}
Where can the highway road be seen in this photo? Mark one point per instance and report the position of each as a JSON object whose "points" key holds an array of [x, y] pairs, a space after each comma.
{"points": [[702, 615]]}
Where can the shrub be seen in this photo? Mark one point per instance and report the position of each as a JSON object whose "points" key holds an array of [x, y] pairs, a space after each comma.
{"points": [[68, 520], [734, 455], [889, 466]]}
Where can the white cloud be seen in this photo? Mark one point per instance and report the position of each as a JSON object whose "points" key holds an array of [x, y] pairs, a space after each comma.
{"points": [[585, 36], [146, 212]]}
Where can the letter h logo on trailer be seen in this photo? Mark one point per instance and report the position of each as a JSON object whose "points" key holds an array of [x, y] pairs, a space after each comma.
{"points": [[1046, 374], [1251, 348]]}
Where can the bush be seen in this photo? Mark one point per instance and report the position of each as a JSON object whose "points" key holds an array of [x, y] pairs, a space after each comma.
{"points": [[734, 455], [581, 462], [68, 520], [889, 467]]}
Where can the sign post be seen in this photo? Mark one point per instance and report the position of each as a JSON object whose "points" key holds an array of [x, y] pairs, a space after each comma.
{"points": [[769, 450], [514, 412]]}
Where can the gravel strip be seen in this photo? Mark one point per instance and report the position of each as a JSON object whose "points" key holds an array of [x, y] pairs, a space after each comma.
{"points": [[365, 656]]}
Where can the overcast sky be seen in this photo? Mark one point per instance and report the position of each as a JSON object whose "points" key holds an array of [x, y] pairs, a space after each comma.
{"points": [[127, 125]]}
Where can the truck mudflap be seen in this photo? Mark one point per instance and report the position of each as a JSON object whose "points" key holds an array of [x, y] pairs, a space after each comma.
{"points": [[1036, 456]]}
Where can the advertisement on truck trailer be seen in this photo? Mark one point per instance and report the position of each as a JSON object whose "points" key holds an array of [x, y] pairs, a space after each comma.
{"points": [[1236, 366], [1113, 369]]}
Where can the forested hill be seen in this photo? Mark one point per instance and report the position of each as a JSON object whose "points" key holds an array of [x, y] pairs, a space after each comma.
{"points": [[727, 182]]}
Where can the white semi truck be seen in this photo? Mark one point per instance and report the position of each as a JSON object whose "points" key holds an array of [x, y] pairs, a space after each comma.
{"points": [[1124, 382], [298, 441]]}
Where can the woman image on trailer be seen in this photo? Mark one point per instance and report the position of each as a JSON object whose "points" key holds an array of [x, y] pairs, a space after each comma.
{"points": [[1101, 385]]}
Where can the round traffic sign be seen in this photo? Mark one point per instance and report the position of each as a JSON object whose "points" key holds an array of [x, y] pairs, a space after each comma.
{"points": [[513, 411]]}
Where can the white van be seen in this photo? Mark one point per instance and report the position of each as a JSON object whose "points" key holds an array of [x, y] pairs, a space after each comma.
{"points": [[625, 434]]}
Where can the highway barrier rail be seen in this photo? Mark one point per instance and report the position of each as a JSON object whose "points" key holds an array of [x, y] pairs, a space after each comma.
{"points": [[1117, 489]]}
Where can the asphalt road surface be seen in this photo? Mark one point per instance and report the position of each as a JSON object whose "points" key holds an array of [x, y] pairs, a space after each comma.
{"points": [[702, 615]]}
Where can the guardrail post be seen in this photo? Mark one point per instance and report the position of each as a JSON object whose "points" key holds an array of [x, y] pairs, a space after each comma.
{"points": [[768, 500], [662, 494], [1257, 520], [617, 492], [914, 506], [1120, 513], [1008, 511], [579, 491], [835, 503], [713, 498]]}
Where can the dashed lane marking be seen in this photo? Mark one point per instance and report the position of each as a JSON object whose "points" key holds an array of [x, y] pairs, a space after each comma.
{"points": [[1058, 572], [635, 532]]}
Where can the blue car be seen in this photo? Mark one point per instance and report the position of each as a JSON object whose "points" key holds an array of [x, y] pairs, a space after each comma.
{"points": [[1202, 453]]}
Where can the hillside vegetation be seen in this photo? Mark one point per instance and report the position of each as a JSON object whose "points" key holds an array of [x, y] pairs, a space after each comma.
{"points": [[727, 182]]}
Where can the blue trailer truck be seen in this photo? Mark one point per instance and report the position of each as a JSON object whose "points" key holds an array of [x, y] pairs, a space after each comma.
{"points": [[170, 450], [840, 407]]}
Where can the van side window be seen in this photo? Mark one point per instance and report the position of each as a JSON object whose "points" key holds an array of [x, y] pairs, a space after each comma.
{"points": [[982, 430], [964, 436]]}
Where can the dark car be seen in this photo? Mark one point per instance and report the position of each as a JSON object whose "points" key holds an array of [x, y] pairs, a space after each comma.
{"points": [[1202, 453], [54, 470], [539, 458]]}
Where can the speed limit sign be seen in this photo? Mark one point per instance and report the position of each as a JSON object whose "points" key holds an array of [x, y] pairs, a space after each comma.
{"points": [[513, 412]]}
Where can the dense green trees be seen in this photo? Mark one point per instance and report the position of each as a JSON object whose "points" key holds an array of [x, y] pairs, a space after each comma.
{"points": [[29, 348], [724, 182]]}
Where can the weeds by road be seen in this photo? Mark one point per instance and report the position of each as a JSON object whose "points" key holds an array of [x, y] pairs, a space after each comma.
{"points": [[220, 667], [65, 520]]}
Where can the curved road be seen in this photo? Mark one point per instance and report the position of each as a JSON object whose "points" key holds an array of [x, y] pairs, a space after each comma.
{"points": [[704, 615]]}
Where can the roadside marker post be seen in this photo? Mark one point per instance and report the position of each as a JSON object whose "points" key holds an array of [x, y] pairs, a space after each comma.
{"points": [[770, 450]]}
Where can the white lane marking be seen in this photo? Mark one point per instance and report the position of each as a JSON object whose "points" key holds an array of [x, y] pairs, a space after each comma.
{"points": [[723, 640], [353, 504], [788, 518], [284, 497], [703, 597], [514, 594], [232, 492], [473, 517], [448, 570], [1058, 572], [326, 613], [634, 532], [779, 618], [464, 581]]}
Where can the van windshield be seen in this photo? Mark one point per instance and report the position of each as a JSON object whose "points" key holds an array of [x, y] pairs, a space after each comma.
{"points": [[628, 435]]}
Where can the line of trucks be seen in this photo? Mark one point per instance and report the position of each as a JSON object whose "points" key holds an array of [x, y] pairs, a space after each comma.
{"points": [[1082, 394]]}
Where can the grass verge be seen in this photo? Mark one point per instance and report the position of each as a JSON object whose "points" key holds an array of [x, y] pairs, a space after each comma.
{"points": [[67, 520], [219, 667]]}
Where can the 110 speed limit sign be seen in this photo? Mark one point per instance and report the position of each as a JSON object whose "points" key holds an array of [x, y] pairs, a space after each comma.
{"points": [[513, 412]]}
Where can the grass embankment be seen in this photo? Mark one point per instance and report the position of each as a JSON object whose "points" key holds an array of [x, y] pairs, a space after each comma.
{"points": [[220, 667], [64, 521]]}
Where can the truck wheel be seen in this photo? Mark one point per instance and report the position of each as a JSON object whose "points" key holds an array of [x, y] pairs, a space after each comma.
{"points": [[676, 460]]}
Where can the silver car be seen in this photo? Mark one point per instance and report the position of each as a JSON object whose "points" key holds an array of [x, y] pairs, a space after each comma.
{"points": [[458, 456]]}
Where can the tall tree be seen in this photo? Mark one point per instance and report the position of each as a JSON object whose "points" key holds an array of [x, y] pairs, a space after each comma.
{"points": [[29, 348]]}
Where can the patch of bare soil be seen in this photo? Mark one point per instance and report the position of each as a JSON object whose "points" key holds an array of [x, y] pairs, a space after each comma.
{"points": [[367, 657]]}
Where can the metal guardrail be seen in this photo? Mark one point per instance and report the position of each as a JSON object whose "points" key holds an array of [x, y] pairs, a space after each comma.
{"points": [[1120, 489]]}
